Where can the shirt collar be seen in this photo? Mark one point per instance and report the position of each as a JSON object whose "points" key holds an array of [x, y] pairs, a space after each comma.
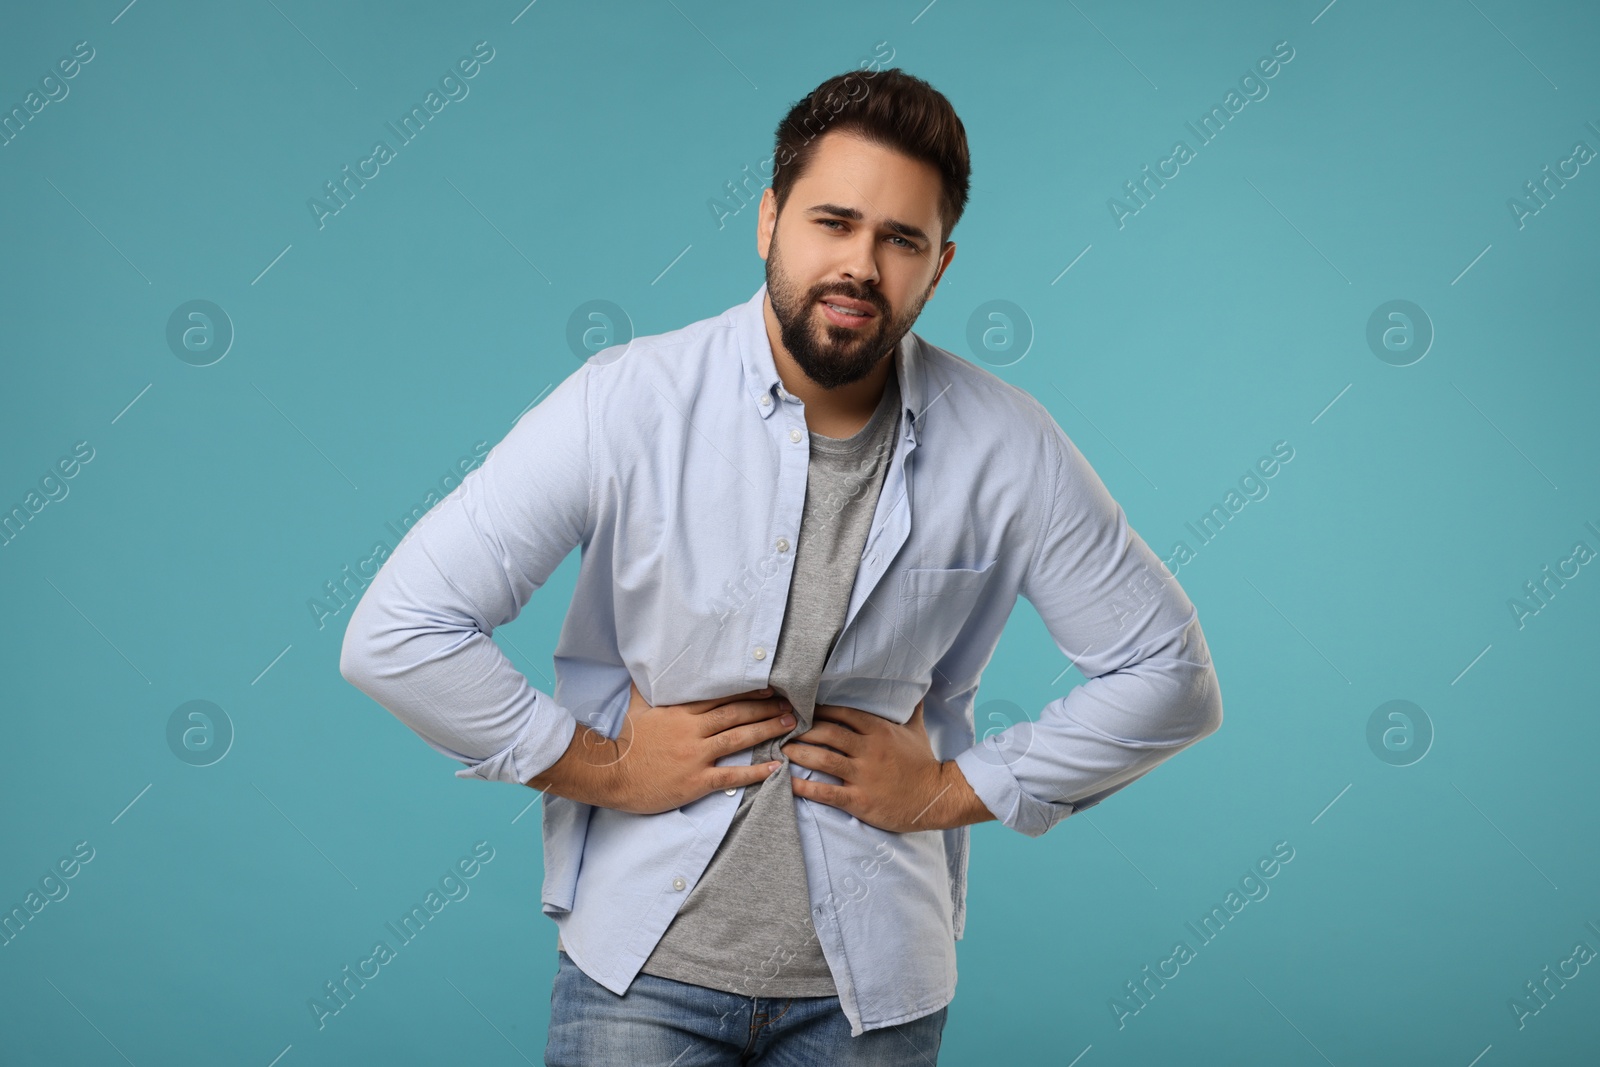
{"points": [[761, 372]]}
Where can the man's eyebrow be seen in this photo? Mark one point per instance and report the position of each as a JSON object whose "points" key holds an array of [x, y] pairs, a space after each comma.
{"points": [[905, 229]]}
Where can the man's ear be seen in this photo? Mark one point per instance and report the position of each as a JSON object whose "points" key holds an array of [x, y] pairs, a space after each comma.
{"points": [[766, 221], [945, 257]]}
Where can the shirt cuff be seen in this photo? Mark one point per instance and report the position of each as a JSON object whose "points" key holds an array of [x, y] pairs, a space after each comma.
{"points": [[989, 774], [544, 740]]}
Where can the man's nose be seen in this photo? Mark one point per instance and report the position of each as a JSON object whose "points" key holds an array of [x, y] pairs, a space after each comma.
{"points": [[861, 262]]}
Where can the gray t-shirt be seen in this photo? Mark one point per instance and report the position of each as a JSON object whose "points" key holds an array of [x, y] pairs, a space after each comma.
{"points": [[746, 926]]}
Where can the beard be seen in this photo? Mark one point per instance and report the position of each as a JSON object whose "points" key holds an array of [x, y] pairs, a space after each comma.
{"points": [[830, 355]]}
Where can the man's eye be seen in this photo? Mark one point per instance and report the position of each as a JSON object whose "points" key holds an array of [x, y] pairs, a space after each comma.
{"points": [[904, 242]]}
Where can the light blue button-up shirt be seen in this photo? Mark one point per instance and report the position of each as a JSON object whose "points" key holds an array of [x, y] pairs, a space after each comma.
{"points": [[678, 463]]}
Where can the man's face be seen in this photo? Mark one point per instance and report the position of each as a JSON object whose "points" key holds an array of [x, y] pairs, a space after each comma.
{"points": [[860, 230]]}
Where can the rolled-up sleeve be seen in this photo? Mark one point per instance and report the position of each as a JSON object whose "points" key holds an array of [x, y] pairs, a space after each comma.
{"points": [[1116, 612], [419, 641]]}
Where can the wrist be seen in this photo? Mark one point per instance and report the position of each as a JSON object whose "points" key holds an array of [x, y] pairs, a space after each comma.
{"points": [[960, 804]]}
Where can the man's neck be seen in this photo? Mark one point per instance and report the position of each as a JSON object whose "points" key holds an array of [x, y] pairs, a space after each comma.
{"points": [[840, 412]]}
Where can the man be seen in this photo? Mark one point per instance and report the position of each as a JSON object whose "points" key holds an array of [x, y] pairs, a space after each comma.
{"points": [[803, 528]]}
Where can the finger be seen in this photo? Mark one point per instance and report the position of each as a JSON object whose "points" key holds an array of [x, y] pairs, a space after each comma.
{"points": [[833, 735], [742, 737], [852, 718], [823, 793], [701, 706], [726, 717], [734, 777], [819, 759]]}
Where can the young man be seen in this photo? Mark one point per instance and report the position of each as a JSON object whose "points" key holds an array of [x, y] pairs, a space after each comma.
{"points": [[803, 528]]}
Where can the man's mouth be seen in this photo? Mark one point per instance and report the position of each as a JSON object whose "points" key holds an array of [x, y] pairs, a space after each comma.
{"points": [[847, 312]]}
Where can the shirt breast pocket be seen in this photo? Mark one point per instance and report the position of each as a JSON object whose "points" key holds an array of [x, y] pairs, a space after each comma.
{"points": [[935, 603]]}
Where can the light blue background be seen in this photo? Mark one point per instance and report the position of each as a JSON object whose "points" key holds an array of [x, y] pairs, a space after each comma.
{"points": [[1229, 314]]}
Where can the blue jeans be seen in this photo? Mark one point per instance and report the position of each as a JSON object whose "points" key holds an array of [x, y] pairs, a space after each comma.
{"points": [[663, 1023]]}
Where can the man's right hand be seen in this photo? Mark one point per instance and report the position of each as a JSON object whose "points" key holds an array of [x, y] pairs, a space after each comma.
{"points": [[665, 757]]}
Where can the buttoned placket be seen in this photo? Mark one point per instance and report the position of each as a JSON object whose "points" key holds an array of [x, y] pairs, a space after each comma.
{"points": [[794, 462], [891, 526]]}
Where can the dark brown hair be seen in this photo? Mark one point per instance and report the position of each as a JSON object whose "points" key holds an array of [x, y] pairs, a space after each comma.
{"points": [[890, 108]]}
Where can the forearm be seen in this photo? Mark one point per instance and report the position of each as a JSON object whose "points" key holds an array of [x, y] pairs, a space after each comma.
{"points": [[587, 772]]}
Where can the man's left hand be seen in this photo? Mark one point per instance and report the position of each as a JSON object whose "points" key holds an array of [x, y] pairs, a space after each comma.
{"points": [[891, 777]]}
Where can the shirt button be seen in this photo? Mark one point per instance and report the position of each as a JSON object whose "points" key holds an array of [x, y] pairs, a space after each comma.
{"points": [[730, 792], [678, 883], [766, 401], [760, 653], [794, 435], [783, 544]]}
